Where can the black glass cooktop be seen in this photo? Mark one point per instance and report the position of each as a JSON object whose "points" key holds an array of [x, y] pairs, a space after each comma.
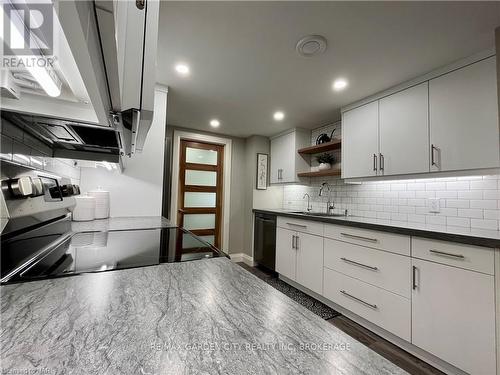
{"points": [[26, 259]]}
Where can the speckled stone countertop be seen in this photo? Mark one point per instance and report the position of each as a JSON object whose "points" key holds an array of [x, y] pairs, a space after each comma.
{"points": [[206, 316], [479, 237], [121, 223]]}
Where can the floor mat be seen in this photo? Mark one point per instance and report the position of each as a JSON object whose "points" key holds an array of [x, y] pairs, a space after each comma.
{"points": [[308, 302]]}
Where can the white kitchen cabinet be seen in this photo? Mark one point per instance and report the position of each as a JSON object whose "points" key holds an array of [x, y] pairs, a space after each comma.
{"points": [[360, 141], [310, 261], [453, 316], [404, 132], [286, 256], [463, 109], [285, 161], [299, 257]]}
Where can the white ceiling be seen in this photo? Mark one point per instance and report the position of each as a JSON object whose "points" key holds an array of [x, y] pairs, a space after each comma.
{"points": [[244, 65]]}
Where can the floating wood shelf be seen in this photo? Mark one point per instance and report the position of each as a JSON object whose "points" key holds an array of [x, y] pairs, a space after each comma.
{"points": [[330, 146], [328, 172]]}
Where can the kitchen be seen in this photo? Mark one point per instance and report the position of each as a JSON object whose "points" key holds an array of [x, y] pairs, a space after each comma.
{"points": [[250, 187]]}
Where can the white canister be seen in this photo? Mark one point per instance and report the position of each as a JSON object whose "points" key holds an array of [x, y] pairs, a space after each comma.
{"points": [[84, 209], [101, 203]]}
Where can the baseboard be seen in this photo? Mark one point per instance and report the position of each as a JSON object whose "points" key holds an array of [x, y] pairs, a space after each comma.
{"points": [[242, 257]]}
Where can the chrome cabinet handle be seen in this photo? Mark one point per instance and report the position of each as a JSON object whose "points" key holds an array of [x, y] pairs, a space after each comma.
{"points": [[359, 264], [382, 161], [359, 237], [375, 162], [297, 225], [442, 253], [433, 161], [414, 278], [373, 306], [293, 242], [296, 242]]}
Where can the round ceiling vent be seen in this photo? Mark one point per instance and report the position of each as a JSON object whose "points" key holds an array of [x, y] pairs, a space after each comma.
{"points": [[311, 45]]}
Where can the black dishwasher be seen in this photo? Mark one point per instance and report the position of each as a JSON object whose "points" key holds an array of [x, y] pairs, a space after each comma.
{"points": [[264, 252]]}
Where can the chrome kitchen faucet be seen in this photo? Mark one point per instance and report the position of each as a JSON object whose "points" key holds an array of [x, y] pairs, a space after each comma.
{"points": [[330, 206]]}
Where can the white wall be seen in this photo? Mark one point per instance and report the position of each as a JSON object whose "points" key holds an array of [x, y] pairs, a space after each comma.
{"points": [[138, 190]]}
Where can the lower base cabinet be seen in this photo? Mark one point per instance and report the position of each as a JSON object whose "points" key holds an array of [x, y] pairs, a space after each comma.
{"points": [[440, 297], [299, 256], [385, 309], [453, 316]]}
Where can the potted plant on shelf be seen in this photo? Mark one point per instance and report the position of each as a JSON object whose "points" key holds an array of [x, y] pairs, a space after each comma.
{"points": [[325, 161]]}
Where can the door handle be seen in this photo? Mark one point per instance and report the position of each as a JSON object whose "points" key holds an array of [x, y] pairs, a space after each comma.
{"points": [[359, 264], [373, 306], [433, 160], [382, 161], [359, 237], [296, 242], [443, 253], [293, 242], [375, 162], [414, 278]]}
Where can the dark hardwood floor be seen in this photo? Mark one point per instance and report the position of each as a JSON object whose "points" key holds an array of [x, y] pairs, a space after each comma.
{"points": [[389, 351]]}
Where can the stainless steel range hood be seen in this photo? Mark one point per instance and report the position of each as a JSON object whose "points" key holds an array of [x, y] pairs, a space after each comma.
{"points": [[113, 47], [69, 139]]}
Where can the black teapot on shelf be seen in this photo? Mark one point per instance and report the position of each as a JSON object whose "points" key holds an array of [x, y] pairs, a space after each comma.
{"points": [[324, 138]]}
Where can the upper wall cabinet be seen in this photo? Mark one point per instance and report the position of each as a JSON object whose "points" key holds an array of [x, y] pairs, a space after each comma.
{"points": [[404, 132], [464, 118], [388, 136], [285, 161], [360, 141], [447, 123]]}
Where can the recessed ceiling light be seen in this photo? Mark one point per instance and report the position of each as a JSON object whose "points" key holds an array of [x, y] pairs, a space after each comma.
{"points": [[339, 84], [214, 123], [278, 116], [182, 69]]}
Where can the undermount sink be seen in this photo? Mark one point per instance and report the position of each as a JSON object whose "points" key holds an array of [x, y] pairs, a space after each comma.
{"points": [[323, 214]]}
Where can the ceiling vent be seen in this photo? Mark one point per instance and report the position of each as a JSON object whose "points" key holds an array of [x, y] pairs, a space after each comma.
{"points": [[311, 45]]}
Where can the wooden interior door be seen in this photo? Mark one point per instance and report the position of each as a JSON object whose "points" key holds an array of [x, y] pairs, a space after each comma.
{"points": [[200, 189]]}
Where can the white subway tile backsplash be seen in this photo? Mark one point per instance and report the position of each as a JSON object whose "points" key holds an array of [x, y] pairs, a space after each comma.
{"points": [[483, 185], [470, 212], [486, 204], [484, 224], [435, 220], [476, 194], [459, 185], [457, 203], [458, 221]]}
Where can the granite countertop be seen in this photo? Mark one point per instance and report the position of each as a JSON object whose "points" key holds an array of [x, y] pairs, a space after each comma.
{"points": [[479, 237], [205, 316], [121, 223]]}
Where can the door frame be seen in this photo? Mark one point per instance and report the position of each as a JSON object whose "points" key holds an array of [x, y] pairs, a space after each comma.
{"points": [[226, 196]]}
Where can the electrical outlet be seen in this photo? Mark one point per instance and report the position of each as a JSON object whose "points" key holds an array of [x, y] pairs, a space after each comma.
{"points": [[434, 205]]}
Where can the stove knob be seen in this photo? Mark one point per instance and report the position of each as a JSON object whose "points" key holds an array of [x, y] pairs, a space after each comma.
{"points": [[37, 187], [21, 187]]}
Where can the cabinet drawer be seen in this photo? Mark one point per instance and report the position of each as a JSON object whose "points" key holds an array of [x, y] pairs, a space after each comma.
{"points": [[304, 226], [475, 258], [385, 270], [385, 309], [395, 243]]}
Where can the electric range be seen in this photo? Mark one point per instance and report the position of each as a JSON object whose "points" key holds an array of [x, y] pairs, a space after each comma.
{"points": [[54, 251]]}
